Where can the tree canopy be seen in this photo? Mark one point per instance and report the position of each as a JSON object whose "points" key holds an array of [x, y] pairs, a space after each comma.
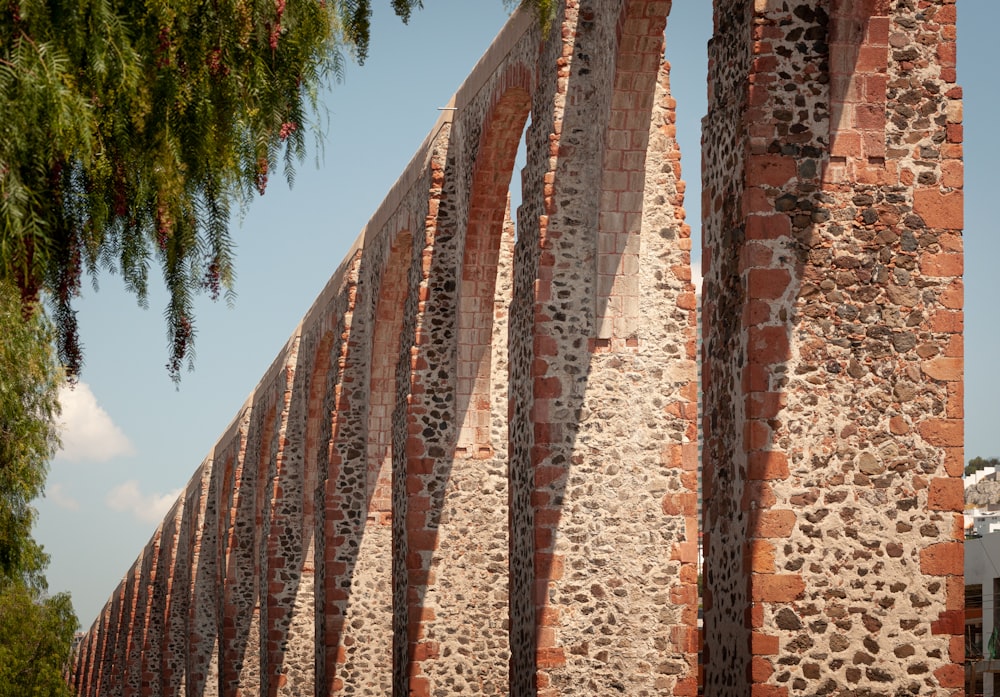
{"points": [[132, 129], [36, 630], [36, 636], [979, 463], [29, 383]]}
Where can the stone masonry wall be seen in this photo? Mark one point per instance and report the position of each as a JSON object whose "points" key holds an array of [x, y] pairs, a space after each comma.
{"points": [[473, 469], [833, 350]]}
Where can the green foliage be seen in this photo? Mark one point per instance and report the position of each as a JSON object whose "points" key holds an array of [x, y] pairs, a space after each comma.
{"points": [[29, 383], [36, 631], [356, 16], [545, 10], [978, 463], [133, 128], [36, 636]]}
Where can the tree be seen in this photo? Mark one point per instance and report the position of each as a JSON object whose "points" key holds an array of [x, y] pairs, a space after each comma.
{"points": [[36, 631], [36, 636], [131, 129], [979, 463], [29, 382]]}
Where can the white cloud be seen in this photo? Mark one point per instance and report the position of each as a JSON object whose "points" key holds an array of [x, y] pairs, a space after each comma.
{"points": [[58, 496], [149, 508], [88, 433]]}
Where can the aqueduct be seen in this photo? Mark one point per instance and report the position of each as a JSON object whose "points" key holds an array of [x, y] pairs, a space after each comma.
{"points": [[474, 468]]}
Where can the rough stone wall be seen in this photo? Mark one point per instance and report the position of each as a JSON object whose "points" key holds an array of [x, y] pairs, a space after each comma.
{"points": [[172, 668], [228, 626], [726, 647], [135, 680], [833, 350], [611, 410], [473, 467]]}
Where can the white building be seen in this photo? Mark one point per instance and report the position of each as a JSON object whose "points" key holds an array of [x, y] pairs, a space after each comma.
{"points": [[982, 615], [979, 475], [981, 521]]}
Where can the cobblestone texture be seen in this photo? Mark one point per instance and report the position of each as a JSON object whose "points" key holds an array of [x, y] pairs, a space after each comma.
{"points": [[833, 350]]}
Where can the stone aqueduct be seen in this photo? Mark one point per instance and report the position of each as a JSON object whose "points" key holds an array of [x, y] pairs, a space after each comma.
{"points": [[474, 467]]}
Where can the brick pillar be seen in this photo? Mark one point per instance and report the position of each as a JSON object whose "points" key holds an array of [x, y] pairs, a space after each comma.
{"points": [[338, 486], [145, 573], [282, 487], [832, 323], [612, 406], [132, 581], [174, 662], [201, 628]]}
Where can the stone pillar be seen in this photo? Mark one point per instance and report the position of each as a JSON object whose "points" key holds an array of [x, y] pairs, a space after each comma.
{"points": [[245, 587], [281, 490], [131, 605], [146, 572], [117, 631], [458, 440], [202, 646], [175, 613], [97, 661], [833, 353], [429, 419], [612, 405], [290, 589], [82, 682], [336, 463], [241, 654]]}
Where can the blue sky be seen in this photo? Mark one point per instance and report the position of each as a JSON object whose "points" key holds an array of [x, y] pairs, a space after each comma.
{"points": [[133, 440]]}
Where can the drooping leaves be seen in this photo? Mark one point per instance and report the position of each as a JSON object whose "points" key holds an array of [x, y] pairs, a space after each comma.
{"points": [[29, 383], [131, 130]]}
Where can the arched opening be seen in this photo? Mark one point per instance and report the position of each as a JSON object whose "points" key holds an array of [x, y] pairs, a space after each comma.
{"points": [[315, 415], [859, 60], [386, 353], [483, 295]]}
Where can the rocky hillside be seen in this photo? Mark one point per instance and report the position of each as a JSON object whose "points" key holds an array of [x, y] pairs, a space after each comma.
{"points": [[984, 493]]}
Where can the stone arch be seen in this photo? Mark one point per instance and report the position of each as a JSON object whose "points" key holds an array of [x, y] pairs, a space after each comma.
{"points": [[489, 209], [859, 60], [637, 64], [315, 414], [386, 352]]}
